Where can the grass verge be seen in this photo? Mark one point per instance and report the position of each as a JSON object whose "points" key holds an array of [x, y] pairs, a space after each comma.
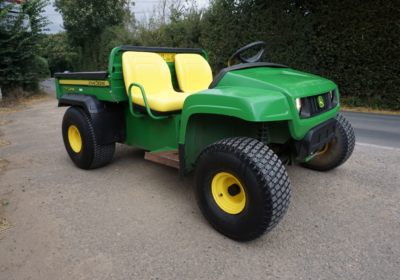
{"points": [[368, 110]]}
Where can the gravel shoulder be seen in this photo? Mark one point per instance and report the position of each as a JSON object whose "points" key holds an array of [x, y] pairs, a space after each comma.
{"points": [[134, 219]]}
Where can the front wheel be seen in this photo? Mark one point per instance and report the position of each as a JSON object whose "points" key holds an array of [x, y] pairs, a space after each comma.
{"points": [[336, 152], [80, 140], [241, 187]]}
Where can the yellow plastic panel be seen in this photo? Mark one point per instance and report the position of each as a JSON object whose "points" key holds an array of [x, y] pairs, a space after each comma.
{"points": [[152, 73], [168, 57], [193, 72]]}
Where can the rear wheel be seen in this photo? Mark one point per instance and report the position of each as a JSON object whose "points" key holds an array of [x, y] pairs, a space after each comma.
{"points": [[336, 152], [241, 187], [80, 140]]}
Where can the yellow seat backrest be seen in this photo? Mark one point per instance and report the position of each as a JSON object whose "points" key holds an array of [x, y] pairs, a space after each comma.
{"points": [[152, 73], [147, 69], [193, 72]]}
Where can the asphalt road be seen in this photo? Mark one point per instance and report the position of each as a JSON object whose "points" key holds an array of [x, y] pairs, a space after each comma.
{"points": [[134, 219], [49, 86], [375, 129]]}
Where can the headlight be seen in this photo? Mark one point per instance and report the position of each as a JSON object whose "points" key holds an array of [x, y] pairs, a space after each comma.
{"points": [[298, 104]]}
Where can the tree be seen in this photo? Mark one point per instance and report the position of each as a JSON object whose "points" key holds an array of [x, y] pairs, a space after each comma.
{"points": [[118, 35], [86, 20], [173, 23], [59, 54], [19, 47]]}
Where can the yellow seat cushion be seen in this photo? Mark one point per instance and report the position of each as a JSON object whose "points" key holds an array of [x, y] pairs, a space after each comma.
{"points": [[193, 72], [152, 73]]}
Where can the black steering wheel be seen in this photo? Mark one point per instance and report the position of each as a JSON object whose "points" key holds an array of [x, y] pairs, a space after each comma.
{"points": [[245, 48]]}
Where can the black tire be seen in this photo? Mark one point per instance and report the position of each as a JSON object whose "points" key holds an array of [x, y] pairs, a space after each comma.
{"points": [[89, 154], [337, 151], [259, 173]]}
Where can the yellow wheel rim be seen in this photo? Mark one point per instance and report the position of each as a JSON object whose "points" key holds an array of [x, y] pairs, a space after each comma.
{"points": [[74, 138], [323, 150], [228, 193]]}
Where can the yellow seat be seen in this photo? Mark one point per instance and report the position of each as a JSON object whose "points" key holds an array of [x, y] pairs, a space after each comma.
{"points": [[152, 73], [193, 72]]}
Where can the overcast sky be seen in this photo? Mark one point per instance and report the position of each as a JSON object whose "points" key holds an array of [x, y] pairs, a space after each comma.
{"points": [[142, 8]]}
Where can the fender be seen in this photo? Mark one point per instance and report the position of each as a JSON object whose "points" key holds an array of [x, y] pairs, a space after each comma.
{"points": [[249, 104], [240, 107], [107, 117]]}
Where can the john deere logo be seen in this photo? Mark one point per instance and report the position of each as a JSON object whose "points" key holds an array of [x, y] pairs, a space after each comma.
{"points": [[321, 102]]}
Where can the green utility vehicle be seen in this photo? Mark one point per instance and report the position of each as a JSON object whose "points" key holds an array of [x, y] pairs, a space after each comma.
{"points": [[237, 131]]}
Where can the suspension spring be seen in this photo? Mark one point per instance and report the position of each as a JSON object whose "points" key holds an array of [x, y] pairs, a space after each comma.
{"points": [[263, 133]]}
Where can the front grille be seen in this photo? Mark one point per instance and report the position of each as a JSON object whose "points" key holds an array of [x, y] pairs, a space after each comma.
{"points": [[312, 106], [315, 108]]}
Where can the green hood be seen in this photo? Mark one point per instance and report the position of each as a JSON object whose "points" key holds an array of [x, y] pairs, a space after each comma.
{"points": [[290, 82]]}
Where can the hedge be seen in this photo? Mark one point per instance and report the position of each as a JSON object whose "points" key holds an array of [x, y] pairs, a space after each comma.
{"points": [[354, 43]]}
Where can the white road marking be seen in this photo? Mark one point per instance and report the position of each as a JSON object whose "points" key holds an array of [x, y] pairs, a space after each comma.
{"points": [[377, 146]]}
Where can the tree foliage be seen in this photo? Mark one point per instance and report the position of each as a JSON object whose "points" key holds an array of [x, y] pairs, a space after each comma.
{"points": [[118, 35], [173, 23], [85, 22], [357, 44], [19, 63], [60, 55]]}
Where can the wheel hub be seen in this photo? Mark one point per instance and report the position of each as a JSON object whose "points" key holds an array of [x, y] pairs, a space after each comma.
{"points": [[74, 138], [234, 190], [228, 193]]}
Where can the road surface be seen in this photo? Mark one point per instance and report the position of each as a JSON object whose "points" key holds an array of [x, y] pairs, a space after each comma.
{"points": [[375, 129], [49, 86]]}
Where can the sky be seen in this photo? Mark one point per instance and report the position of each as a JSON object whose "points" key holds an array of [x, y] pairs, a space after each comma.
{"points": [[142, 9]]}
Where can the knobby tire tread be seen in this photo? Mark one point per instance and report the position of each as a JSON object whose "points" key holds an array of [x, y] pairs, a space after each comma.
{"points": [[269, 171], [102, 154]]}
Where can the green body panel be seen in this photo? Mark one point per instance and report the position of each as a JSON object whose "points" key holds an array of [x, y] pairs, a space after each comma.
{"points": [[249, 104], [290, 83], [102, 93], [152, 135]]}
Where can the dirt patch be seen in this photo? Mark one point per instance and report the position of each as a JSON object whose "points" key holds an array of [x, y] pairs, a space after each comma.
{"points": [[3, 164], [8, 106], [5, 224], [7, 111], [5, 122], [4, 143]]}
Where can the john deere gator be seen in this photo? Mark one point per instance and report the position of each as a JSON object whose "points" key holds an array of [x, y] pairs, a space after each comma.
{"points": [[236, 131]]}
